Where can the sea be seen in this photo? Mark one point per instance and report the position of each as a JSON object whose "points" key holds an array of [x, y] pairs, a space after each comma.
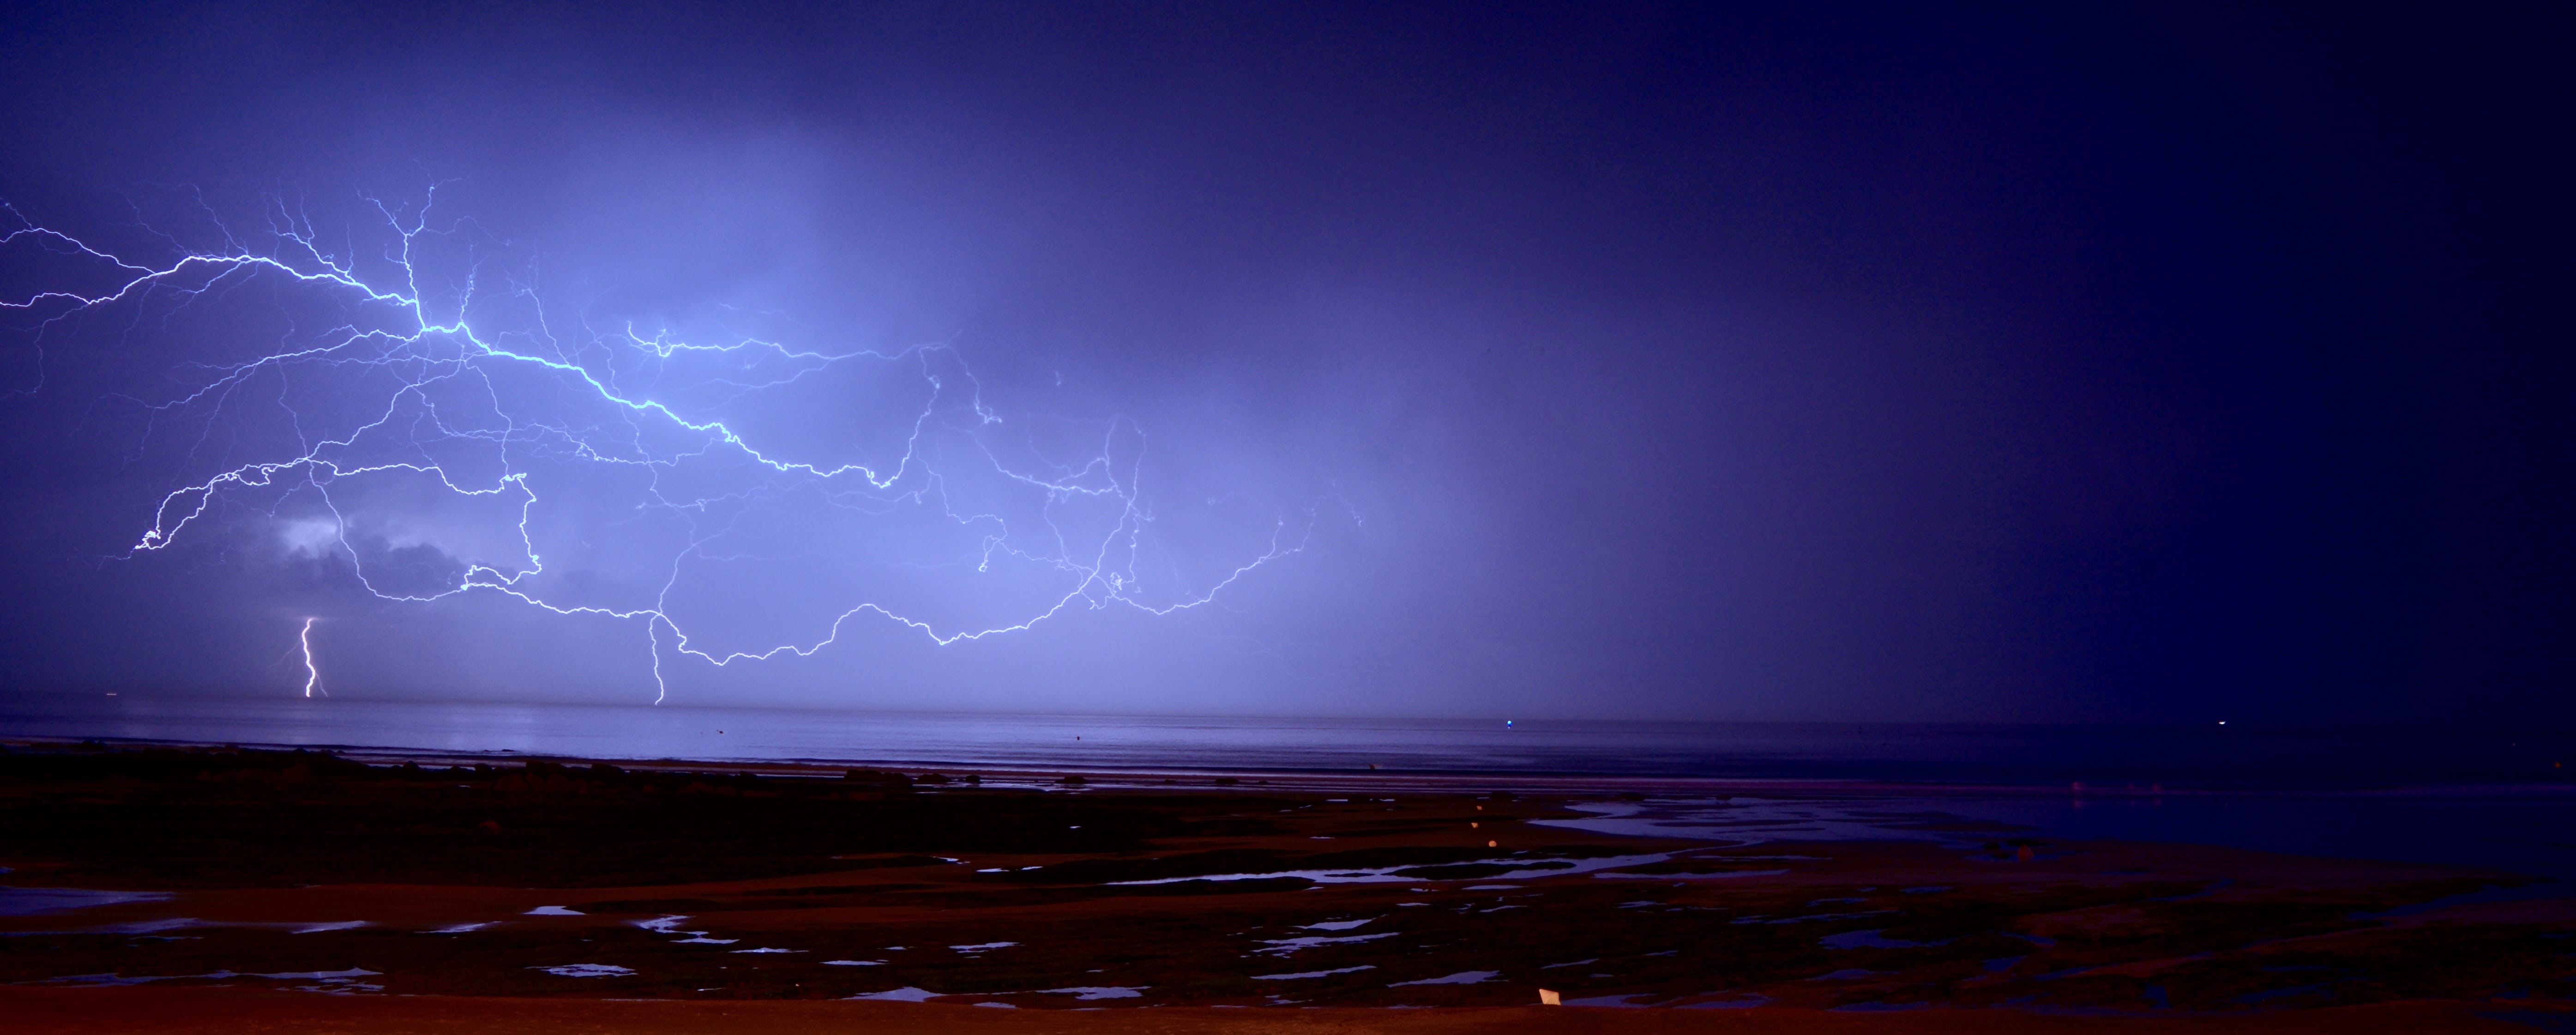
{"points": [[2499, 799]]}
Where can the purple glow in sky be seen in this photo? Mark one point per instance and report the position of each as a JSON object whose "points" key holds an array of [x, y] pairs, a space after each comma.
{"points": [[1659, 361]]}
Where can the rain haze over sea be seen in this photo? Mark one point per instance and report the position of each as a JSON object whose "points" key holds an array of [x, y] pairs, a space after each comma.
{"points": [[2204, 755]]}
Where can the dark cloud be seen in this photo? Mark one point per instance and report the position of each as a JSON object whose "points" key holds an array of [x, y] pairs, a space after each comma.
{"points": [[1649, 360]]}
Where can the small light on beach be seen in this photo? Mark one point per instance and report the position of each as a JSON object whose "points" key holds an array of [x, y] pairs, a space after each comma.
{"points": [[1492, 844], [1548, 997]]}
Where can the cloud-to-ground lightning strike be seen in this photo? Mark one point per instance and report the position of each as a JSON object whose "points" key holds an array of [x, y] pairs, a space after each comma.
{"points": [[449, 376], [312, 673]]}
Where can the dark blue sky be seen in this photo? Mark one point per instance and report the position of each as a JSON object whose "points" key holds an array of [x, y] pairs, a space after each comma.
{"points": [[1842, 362]]}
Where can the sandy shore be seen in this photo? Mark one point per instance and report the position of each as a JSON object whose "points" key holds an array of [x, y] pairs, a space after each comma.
{"points": [[188, 1011], [277, 891]]}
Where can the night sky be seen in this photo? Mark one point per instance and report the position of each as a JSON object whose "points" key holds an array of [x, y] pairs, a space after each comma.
{"points": [[2143, 364]]}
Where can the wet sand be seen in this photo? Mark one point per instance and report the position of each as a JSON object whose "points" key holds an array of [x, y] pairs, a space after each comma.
{"points": [[190, 1011], [307, 892]]}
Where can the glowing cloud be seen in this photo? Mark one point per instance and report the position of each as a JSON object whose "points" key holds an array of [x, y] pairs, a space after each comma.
{"points": [[402, 396]]}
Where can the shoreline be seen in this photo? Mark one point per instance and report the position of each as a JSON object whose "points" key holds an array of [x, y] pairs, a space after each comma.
{"points": [[2246, 757], [407, 882], [1553, 782]]}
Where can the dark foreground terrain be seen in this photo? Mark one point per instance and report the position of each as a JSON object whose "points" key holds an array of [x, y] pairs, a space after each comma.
{"points": [[298, 891]]}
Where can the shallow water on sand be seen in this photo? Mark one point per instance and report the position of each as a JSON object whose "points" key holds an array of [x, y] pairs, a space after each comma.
{"points": [[2526, 830], [41, 901]]}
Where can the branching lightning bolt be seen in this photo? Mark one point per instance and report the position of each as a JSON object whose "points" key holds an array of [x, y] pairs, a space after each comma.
{"points": [[407, 353]]}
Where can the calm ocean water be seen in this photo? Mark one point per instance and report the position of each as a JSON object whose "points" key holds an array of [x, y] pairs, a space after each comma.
{"points": [[2498, 799]]}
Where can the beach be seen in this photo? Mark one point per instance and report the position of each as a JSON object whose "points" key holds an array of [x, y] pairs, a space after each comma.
{"points": [[158, 886]]}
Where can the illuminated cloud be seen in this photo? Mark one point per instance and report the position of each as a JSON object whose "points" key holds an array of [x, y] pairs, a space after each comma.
{"points": [[401, 396]]}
